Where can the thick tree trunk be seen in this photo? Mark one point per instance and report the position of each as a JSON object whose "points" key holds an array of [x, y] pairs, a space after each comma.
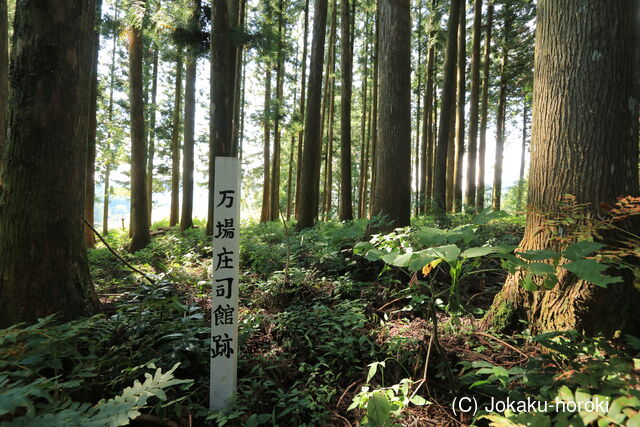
{"points": [[186, 218], [460, 119], [345, 210], [418, 151], [451, 156], [174, 216], [44, 268], [4, 77], [470, 191], [447, 104], [310, 171], [584, 143], [140, 237], [90, 184], [239, 77], [374, 108], [484, 109], [266, 183], [223, 66], [327, 111], [152, 131], [391, 197], [303, 88]]}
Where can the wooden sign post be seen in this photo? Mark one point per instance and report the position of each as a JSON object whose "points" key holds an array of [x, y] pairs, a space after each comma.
{"points": [[224, 297]]}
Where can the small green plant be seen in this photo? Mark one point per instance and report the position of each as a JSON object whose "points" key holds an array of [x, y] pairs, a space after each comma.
{"points": [[385, 405]]}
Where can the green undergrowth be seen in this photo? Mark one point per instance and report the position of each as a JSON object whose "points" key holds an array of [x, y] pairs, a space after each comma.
{"points": [[327, 334]]}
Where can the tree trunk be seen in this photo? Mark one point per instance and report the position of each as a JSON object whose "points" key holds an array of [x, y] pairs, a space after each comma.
{"points": [[426, 183], [4, 77], [525, 113], [186, 219], [328, 110], [451, 156], [484, 109], [274, 211], [328, 191], [310, 171], [448, 101], [364, 140], [418, 152], [460, 120], [502, 112], [109, 156], [90, 184], [374, 108], [303, 87], [223, 66], [239, 77], [470, 191], [266, 183], [584, 143], [345, 210], [140, 237], [175, 144], [392, 192], [152, 131], [44, 268]]}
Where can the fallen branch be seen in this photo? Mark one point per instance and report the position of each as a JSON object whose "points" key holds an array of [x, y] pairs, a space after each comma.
{"points": [[506, 344], [124, 261]]}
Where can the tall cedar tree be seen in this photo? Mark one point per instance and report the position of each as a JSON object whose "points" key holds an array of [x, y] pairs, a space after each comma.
{"points": [[584, 143], [502, 108], [484, 108], [175, 143], [223, 66], [345, 209], [151, 150], [90, 183], [392, 192], [474, 109], [4, 76], [311, 154], [460, 109], [303, 88], [274, 193], [447, 104], [44, 266], [266, 131], [523, 152], [110, 157], [186, 217], [140, 236]]}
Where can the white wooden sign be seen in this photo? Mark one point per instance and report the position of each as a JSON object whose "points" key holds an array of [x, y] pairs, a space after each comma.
{"points": [[224, 298]]}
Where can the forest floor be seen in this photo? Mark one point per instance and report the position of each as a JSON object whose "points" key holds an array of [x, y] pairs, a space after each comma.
{"points": [[328, 336]]}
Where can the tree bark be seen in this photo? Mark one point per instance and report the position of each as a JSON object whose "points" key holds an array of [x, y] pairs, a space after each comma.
{"points": [[310, 172], [392, 193], [447, 103], [374, 108], [4, 77], [175, 144], [223, 66], [364, 144], [484, 109], [470, 191], [140, 237], [585, 143], [90, 184], [460, 120], [186, 219], [345, 210], [44, 268]]}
